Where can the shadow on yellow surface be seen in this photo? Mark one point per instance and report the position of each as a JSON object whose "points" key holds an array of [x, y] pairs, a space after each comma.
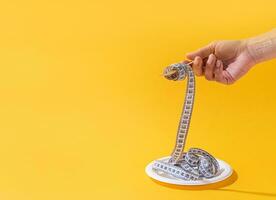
{"points": [[249, 192], [217, 186]]}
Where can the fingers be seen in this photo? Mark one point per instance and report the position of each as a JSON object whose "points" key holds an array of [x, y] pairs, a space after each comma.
{"points": [[197, 66], [222, 76], [202, 52], [210, 66], [205, 67], [206, 63], [218, 71], [228, 77]]}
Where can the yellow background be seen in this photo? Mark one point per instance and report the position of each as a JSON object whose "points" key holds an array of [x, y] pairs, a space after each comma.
{"points": [[83, 107]]}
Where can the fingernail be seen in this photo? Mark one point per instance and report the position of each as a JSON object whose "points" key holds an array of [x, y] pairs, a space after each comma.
{"points": [[196, 61], [211, 59], [218, 64]]}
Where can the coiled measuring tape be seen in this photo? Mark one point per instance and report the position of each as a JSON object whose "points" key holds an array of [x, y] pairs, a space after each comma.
{"points": [[196, 163]]}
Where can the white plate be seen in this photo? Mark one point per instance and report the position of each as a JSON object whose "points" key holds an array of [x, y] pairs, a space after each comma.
{"points": [[223, 173]]}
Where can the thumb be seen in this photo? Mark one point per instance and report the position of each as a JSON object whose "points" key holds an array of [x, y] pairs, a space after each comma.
{"points": [[202, 52]]}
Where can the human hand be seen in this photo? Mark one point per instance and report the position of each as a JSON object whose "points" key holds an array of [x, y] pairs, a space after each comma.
{"points": [[222, 61]]}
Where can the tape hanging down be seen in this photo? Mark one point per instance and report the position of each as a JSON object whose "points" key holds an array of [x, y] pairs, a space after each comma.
{"points": [[196, 163]]}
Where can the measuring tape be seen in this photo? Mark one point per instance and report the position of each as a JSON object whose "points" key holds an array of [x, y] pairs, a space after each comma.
{"points": [[196, 163]]}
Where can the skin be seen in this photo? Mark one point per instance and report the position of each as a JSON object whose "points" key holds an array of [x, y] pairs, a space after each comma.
{"points": [[227, 61]]}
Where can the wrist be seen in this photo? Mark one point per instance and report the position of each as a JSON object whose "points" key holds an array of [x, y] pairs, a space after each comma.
{"points": [[263, 47]]}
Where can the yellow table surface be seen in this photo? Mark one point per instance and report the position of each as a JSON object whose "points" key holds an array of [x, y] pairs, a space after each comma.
{"points": [[84, 107]]}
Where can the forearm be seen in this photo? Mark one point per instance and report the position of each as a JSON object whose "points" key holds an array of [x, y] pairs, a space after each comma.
{"points": [[262, 47]]}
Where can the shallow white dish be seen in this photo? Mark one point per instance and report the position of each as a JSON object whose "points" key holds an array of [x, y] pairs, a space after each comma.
{"points": [[224, 172]]}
